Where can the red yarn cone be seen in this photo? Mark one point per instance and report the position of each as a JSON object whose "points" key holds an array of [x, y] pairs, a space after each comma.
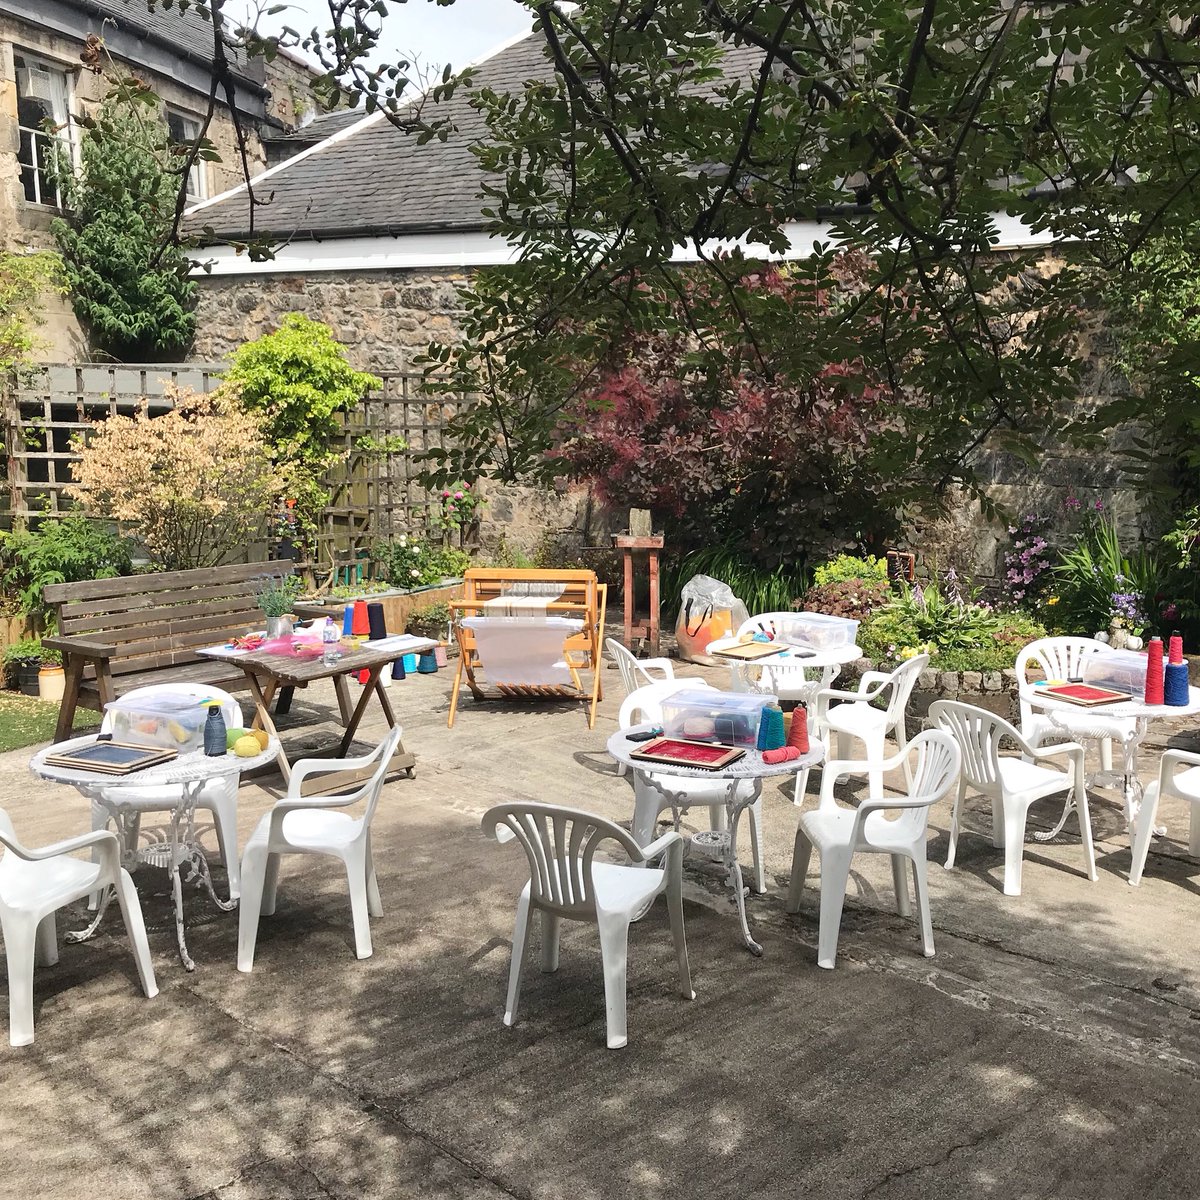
{"points": [[1154, 671], [1176, 648], [797, 736], [360, 623]]}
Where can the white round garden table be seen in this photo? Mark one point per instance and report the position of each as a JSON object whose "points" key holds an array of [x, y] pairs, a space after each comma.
{"points": [[785, 674], [1126, 722], [175, 847], [721, 843]]}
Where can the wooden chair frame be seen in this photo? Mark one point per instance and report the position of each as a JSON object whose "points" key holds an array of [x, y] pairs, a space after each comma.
{"points": [[582, 596]]}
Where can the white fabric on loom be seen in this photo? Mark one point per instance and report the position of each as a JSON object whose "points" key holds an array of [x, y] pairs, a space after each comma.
{"points": [[523, 651], [525, 597]]}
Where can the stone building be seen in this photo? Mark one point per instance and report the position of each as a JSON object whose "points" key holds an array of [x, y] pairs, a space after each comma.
{"points": [[43, 77]]}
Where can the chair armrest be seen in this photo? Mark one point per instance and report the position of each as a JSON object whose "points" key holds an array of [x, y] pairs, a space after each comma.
{"points": [[835, 768], [661, 845], [868, 678], [97, 837], [1071, 748], [1166, 770], [84, 647], [646, 665], [825, 695], [305, 768]]}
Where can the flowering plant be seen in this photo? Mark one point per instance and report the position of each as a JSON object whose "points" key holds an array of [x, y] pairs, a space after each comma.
{"points": [[1028, 567], [408, 562], [460, 502]]}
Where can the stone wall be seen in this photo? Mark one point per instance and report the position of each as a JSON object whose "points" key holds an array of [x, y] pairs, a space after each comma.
{"points": [[384, 318]]}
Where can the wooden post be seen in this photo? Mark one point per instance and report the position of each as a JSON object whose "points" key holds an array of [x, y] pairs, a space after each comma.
{"points": [[645, 543]]}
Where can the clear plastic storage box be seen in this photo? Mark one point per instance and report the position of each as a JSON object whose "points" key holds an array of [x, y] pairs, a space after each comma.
{"points": [[171, 720], [1121, 670], [706, 715], [819, 631]]}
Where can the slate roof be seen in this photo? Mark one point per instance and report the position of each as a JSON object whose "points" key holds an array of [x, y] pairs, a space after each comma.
{"points": [[186, 33], [320, 127], [373, 179]]}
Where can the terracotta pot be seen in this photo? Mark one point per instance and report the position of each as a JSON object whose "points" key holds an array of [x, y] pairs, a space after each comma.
{"points": [[440, 655]]}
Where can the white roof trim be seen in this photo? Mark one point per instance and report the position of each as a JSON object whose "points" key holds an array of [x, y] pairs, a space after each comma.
{"points": [[347, 133], [431, 251]]}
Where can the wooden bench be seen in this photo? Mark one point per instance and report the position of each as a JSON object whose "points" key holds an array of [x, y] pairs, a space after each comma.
{"points": [[119, 634], [576, 594]]}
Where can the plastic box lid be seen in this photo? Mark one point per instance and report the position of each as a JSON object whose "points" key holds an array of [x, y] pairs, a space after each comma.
{"points": [[162, 704]]}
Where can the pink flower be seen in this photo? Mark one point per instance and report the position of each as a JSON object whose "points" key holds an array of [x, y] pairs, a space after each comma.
{"points": [[466, 487], [445, 495], [458, 495]]}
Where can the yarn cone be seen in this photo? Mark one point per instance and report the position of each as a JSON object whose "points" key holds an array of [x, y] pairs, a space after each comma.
{"points": [[797, 736], [1154, 671], [361, 625], [376, 625], [1175, 685], [348, 620], [1176, 648], [770, 728]]}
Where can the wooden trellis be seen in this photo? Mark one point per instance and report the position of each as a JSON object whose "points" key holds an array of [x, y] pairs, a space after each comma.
{"points": [[375, 493]]}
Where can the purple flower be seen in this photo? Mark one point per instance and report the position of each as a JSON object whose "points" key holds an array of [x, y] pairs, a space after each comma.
{"points": [[1099, 505], [1071, 504]]}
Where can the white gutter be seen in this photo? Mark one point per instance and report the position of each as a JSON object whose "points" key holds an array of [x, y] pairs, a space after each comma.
{"points": [[433, 251]]}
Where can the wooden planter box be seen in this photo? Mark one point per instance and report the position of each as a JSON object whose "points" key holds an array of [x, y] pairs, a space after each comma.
{"points": [[398, 605]]}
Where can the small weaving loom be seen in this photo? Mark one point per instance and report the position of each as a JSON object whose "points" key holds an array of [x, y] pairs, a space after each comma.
{"points": [[530, 634]]}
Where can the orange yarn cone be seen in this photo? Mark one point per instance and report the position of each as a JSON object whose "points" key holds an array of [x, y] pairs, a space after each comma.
{"points": [[797, 736]]}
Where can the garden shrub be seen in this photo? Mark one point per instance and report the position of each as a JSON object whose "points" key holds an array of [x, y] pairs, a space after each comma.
{"points": [[298, 383], [408, 562], [128, 278], [958, 634], [847, 568], [194, 485], [854, 599], [62, 550]]}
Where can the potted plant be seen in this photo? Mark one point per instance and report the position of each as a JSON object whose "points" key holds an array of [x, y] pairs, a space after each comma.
{"points": [[23, 662], [432, 621], [276, 595]]}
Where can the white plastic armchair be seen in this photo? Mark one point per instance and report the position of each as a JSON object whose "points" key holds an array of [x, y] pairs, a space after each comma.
{"points": [[34, 884], [637, 672], [218, 796], [1065, 658], [797, 682], [837, 834], [565, 880], [686, 791], [860, 718], [1184, 786], [300, 824], [1013, 784]]}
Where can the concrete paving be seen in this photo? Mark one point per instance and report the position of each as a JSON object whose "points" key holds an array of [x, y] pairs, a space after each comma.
{"points": [[1050, 1049]]}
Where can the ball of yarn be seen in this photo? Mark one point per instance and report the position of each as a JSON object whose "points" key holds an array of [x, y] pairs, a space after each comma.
{"points": [[783, 754]]}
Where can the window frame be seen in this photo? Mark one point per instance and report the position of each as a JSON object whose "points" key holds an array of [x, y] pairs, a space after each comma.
{"points": [[67, 135], [197, 181]]}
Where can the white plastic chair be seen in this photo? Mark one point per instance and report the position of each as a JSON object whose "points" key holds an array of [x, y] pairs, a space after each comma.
{"points": [[218, 796], [566, 881], [861, 719], [644, 705], [793, 683], [1184, 786], [34, 884], [637, 672], [1065, 658], [1013, 784], [307, 825], [837, 834]]}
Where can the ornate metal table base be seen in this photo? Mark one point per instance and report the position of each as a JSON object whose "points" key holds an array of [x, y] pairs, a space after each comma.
{"points": [[178, 849], [721, 843]]}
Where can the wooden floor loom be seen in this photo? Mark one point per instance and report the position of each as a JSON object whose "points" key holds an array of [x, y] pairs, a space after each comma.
{"points": [[503, 592]]}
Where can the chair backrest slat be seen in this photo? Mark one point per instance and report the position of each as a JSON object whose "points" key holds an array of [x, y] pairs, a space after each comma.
{"points": [[978, 734], [560, 844]]}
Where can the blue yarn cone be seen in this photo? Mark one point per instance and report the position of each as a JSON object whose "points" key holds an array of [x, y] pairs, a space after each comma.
{"points": [[1175, 685], [348, 620]]}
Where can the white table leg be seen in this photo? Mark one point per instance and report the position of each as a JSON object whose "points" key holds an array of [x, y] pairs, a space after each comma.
{"points": [[735, 809]]}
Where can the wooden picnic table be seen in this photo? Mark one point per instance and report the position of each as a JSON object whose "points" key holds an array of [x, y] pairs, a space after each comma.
{"points": [[266, 672]]}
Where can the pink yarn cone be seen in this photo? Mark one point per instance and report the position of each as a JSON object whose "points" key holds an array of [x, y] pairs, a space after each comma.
{"points": [[1154, 671]]}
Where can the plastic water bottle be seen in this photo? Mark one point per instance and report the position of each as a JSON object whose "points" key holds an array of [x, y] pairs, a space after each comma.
{"points": [[331, 639]]}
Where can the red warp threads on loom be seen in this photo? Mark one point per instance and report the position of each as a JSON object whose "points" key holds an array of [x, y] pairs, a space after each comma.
{"points": [[1154, 671]]}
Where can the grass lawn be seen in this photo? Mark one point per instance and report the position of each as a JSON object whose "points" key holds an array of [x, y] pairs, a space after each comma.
{"points": [[26, 720]]}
